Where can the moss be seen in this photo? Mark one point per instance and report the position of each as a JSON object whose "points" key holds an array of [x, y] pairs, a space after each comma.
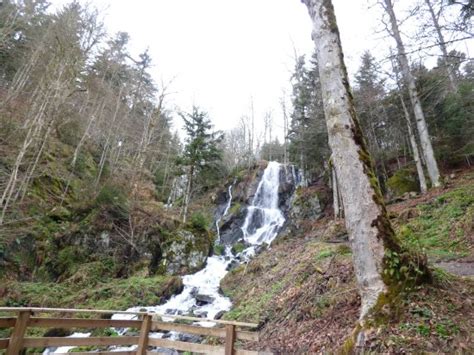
{"points": [[112, 294], [238, 248], [219, 249], [200, 221], [114, 200], [404, 180], [235, 208], [442, 227]]}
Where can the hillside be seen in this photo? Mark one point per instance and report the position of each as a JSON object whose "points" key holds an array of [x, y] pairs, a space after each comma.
{"points": [[303, 293]]}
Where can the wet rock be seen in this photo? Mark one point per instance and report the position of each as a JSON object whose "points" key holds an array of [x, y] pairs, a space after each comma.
{"points": [[203, 299], [190, 338], [219, 314], [232, 265]]}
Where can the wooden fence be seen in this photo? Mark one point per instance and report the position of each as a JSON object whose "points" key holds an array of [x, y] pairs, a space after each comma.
{"points": [[22, 318]]}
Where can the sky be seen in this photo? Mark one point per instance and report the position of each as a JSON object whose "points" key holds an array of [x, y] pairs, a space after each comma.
{"points": [[223, 54]]}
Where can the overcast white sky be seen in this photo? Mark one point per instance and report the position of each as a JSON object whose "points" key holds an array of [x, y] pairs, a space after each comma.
{"points": [[222, 52]]}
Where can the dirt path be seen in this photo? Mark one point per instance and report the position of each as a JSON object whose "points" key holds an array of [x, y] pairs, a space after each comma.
{"points": [[457, 267]]}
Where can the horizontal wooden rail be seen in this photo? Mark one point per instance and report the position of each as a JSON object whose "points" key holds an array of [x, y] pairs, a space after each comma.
{"points": [[228, 330], [217, 321], [68, 341], [192, 329], [65, 310], [83, 323], [4, 343], [7, 322]]}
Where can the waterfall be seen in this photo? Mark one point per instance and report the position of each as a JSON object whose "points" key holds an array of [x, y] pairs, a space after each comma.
{"points": [[201, 293], [264, 219], [226, 210]]}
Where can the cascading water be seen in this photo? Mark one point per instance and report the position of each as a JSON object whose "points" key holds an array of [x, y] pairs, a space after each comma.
{"points": [[226, 210], [200, 295], [264, 219]]}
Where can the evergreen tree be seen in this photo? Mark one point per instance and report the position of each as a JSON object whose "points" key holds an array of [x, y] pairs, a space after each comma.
{"points": [[201, 153]]}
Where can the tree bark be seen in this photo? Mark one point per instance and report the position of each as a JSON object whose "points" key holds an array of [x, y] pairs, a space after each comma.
{"points": [[431, 164], [442, 46], [414, 146], [370, 232]]}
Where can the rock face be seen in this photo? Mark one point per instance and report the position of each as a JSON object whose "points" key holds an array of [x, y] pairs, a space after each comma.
{"points": [[243, 192], [185, 254]]}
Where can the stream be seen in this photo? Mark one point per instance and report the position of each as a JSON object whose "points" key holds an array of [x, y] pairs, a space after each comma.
{"points": [[201, 295]]}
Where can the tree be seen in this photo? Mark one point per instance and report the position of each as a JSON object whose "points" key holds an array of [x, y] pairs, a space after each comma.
{"points": [[431, 164], [201, 151], [308, 135], [373, 240], [442, 44]]}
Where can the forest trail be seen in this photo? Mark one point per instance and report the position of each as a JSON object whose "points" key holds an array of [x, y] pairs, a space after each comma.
{"points": [[459, 268]]}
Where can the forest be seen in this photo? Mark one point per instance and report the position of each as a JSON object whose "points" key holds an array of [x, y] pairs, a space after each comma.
{"points": [[350, 183]]}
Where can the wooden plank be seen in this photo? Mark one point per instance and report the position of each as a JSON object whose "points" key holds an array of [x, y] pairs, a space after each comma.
{"points": [[237, 352], [196, 319], [82, 323], [64, 341], [7, 322], [4, 343], [250, 352], [244, 335], [65, 310], [229, 339], [189, 329], [100, 352], [102, 311], [183, 346], [16, 339], [144, 330], [193, 329]]}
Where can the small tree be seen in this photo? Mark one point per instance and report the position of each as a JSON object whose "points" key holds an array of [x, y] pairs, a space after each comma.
{"points": [[201, 151]]}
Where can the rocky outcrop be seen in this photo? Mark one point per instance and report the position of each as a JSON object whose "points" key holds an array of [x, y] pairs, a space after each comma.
{"points": [[185, 253], [243, 192]]}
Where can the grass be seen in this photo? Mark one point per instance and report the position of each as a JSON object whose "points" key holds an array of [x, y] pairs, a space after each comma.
{"points": [[442, 226], [114, 294]]}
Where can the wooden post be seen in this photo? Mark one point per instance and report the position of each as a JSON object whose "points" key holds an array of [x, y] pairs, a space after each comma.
{"points": [[229, 339], [145, 329], [16, 339]]}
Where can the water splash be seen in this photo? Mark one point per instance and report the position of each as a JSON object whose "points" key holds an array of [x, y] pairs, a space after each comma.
{"points": [[226, 210], [264, 219]]}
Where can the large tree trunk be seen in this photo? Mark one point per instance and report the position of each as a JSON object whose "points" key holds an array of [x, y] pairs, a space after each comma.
{"points": [[414, 146], [370, 232], [431, 164], [442, 46]]}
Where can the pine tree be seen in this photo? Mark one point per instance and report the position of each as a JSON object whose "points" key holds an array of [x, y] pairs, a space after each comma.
{"points": [[201, 151]]}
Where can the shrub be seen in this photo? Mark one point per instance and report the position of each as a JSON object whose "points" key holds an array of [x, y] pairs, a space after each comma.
{"points": [[404, 180], [114, 200], [199, 221]]}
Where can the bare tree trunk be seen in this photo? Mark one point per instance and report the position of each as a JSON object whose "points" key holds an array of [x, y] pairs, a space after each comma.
{"points": [[335, 194], [369, 228], [442, 46], [187, 196], [414, 146], [431, 164], [33, 126], [285, 131]]}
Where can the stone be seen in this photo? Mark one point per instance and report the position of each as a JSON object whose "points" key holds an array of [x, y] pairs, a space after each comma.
{"points": [[203, 299]]}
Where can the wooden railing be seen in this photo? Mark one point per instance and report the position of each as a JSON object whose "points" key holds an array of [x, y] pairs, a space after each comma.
{"points": [[22, 318]]}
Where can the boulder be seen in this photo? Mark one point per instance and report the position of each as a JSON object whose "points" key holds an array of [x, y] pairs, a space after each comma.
{"points": [[203, 299]]}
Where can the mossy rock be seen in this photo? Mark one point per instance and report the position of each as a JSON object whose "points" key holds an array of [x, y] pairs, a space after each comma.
{"points": [[238, 248], [403, 181], [185, 251]]}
